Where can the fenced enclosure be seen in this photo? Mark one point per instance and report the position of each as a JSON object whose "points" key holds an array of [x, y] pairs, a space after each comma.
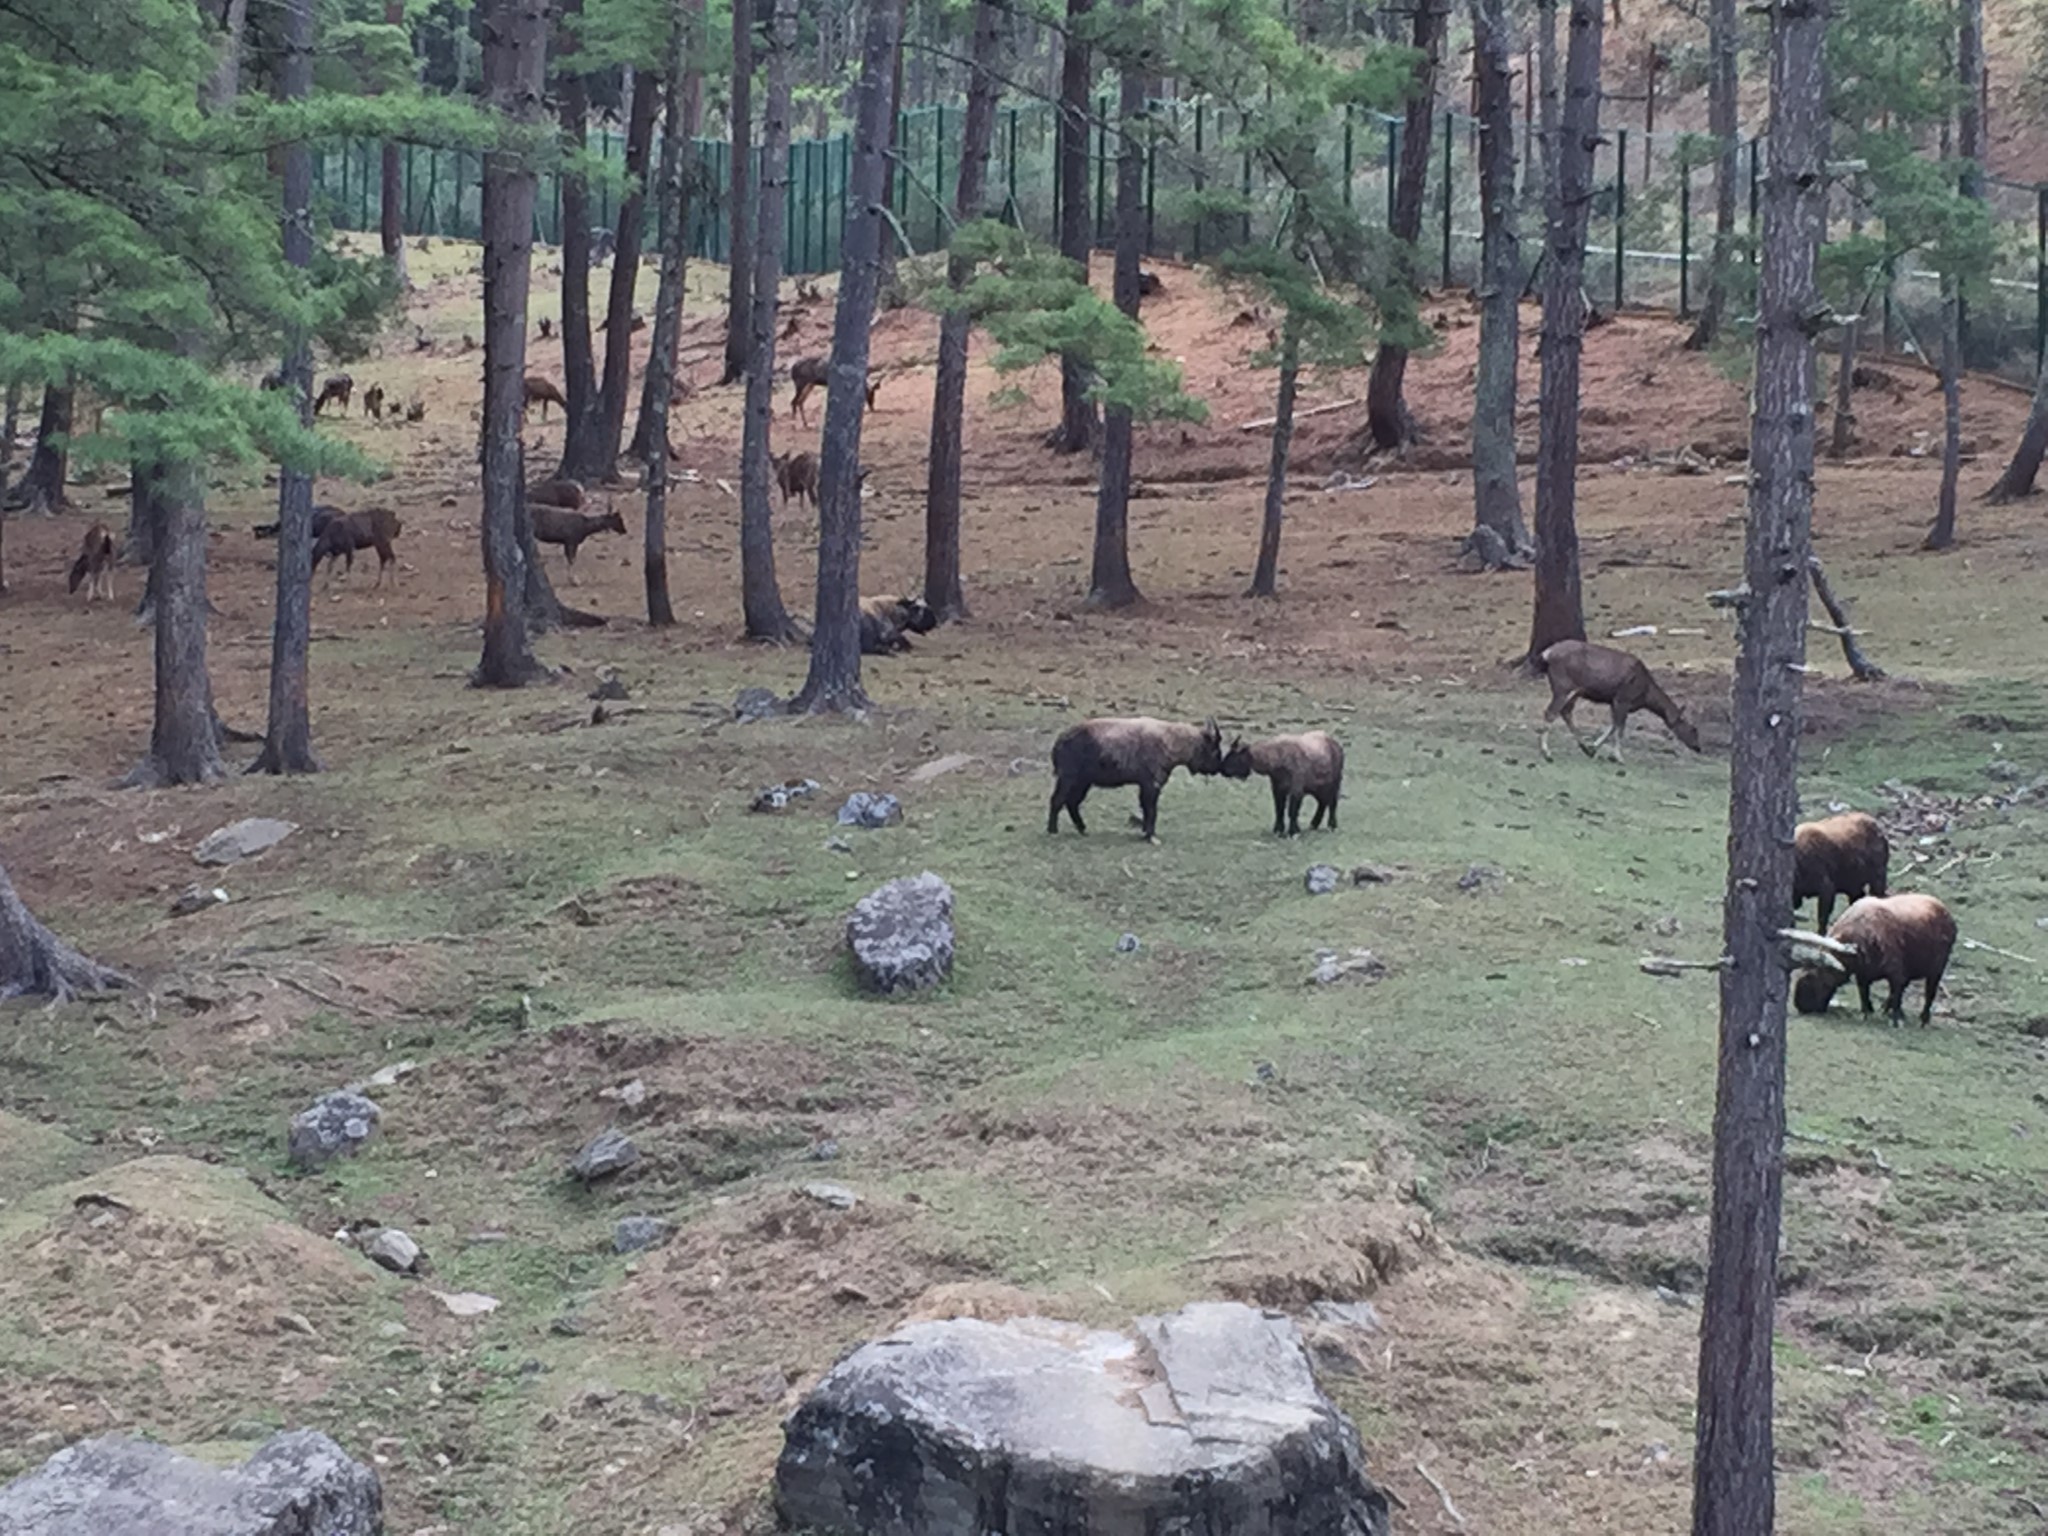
{"points": [[1649, 247]]}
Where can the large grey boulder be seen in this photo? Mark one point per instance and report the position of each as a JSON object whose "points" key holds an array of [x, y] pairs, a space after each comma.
{"points": [[1206, 1420], [901, 934], [336, 1125], [297, 1484]]}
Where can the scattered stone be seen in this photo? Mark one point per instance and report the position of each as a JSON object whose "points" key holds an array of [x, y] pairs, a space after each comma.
{"points": [[467, 1303], [838, 1196], [871, 811], [633, 1233], [294, 1322], [296, 1484], [939, 767], [1358, 965], [777, 797], [610, 690], [1362, 1315], [823, 1151], [386, 1077], [1265, 1072], [756, 704], [242, 840], [393, 1249], [1127, 944], [1022, 766], [901, 934], [610, 1151], [569, 1325], [632, 1094], [337, 1125], [1205, 1419], [838, 845], [1371, 874], [197, 898], [2036, 1027], [392, 1330], [1481, 877], [1321, 879]]}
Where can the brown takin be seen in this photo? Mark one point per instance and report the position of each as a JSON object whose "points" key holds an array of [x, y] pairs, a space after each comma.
{"points": [[95, 563], [560, 492], [1895, 939], [544, 391], [337, 387], [1600, 674], [554, 525], [1305, 766], [338, 535], [797, 475], [1109, 754], [1844, 855], [886, 623]]}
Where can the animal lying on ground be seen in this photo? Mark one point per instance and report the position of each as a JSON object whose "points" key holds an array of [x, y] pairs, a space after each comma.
{"points": [[809, 373], [797, 474], [544, 390], [337, 535], [1894, 939], [417, 411], [95, 562], [1600, 674], [373, 402], [562, 492], [1108, 754], [887, 623], [1844, 855], [1308, 765], [556, 525], [337, 387]]}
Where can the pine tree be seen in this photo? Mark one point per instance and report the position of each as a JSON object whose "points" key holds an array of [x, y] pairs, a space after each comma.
{"points": [[741, 217], [1386, 413], [1079, 425], [1499, 536], [583, 455], [1723, 42]]}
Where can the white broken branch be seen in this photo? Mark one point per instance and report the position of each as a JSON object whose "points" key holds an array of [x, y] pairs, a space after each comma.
{"points": [[1314, 410], [1443, 1496], [1670, 965]]}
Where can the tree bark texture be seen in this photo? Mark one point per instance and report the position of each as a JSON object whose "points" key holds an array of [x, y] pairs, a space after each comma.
{"points": [[680, 121], [1943, 534], [514, 61], [34, 962], [184, 743], [1079, 426], [760, 595], [1266, 576], [1497, 501], [49, 464], [229, 20], [391, 191], [739, 328], [1844, 431], [1542, 167], [942, 586], [833, 685], [1109, 581], [1559, 614], [145, 531], [1723, 42], [1733, 1474], [1386, 414], [671, 221], [288, 739], [12, 419], [1969, 126], [583, 455], [2018, 479], [618, 322]]}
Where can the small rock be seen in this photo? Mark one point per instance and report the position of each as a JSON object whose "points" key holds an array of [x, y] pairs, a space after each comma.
{"points": [[2036, 1027], [825, 1150], [450, 501], [777, 797], [632, 1233], [293, 1322], [952, 762], [1371, 874], [901, 934], [1362, 1315], [393, 1249], [1480, 877], [392, 1330], [610, 1151], [197, 898], [838, 1196], [337, 1125], [1359, 965], [569, 1326], [838, 845], [1127, 944], [1321, 879], [610, 690], [467, 1303], [242, 840], [871, 811], [1021, 766], [632, 1094], [1265, 1072], [756, 704]]}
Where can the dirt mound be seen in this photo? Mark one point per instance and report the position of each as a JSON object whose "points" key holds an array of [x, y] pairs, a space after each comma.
{"points": [[34, 1154], [1357, 1238]]}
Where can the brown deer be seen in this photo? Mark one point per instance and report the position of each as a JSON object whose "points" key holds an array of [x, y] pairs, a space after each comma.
{"points": [[1600, 674], [809, 373], [544, 390], [337, 387], [95, 563]]}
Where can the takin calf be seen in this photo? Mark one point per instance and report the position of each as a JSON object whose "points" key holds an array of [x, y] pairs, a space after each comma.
{"points": [[1108, 754], [1895, 939], [887, 623], [1308, 765], [1600, 674], [797, 474], [95, 562], [338, 535], [1844, 855], [556, 525]]}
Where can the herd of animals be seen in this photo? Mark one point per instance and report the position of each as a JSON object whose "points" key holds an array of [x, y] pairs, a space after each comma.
{"points": [[1894, 939]]}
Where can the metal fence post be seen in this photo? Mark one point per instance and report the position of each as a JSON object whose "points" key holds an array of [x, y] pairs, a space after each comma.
{"points": [[1449, 128], [1620, 210], [1684, 237]]}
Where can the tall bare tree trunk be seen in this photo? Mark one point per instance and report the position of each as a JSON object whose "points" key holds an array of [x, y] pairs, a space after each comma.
{"points": [[184, 743], [1266, 575], [942, 586], [1559, 614], [583, 451], [672, 205], [1497, 501], [1969, 131], [288, 742], [1943, 534], [627, 243], [2018, 479], [739, 328], [49, 464], [1386, 414], [12, 419], [34, 962], [391, 189], [1844, 435], [1723, 41], [229, 20], [1079, 425], [1109, 581], [833, 685], [515, 66], [1733, 1472], [1541, 169]]}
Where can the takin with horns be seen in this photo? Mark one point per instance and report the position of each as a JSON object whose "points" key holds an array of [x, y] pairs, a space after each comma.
{"points": [[338, 535], [1600, 674], [1305, 766], [1110, 754], [1895, 939], [1844, 855], [887, 623]]}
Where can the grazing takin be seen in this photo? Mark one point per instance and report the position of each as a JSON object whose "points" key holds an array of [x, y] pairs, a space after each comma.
{"points": [[1600, 674], [337, 387], [556, 525], [338, 535], [887, 623], [809, 373], [1108, 754], [95, 563], [373, 402], [797, 474], [561, 492], [1844, 855], [1304, 766], [544, 391], [1894, 939]]}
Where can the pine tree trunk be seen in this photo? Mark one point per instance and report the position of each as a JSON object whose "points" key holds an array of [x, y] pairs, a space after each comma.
{"points": [[49, 465], [228, 20], [760, 595], [583, 455], [391, 190], [942, 586], [1943, 534], [12, 418], [834, 686], [1266, 577], [1079, 427], [34, 962], [515, 61], [145, 532], [184, 743], [679, 125], [1497, 501], [1969, 130], [739, 327], [618, 324], [1541, 170], [1733, 1472], [2018, 479], [1723, 40], [1109, 582], [288, 742], [1559, 614], [889, 293], [1844, 435], [1386, 414], [672, 203]]}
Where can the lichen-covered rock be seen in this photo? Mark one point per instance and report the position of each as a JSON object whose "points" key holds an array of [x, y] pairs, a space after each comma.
{"points": [[297, 1484], [610, 1151], [632, 1233], [901, 934], [1320, 880], [336, 1125], [1208, 1419], [872, 811]]}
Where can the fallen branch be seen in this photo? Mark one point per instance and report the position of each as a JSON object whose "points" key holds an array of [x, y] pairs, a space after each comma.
{"points": [[1668, 965], [1314, 410], [1864, 669], [1993, 949], [1442, 1495]]}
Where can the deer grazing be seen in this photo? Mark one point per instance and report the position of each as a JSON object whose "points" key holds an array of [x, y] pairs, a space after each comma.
{"points": [[1600, 674], [809, 373]]}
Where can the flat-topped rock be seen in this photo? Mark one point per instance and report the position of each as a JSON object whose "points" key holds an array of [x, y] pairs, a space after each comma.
{"points": [[901, 935], [1205, 1420]]}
